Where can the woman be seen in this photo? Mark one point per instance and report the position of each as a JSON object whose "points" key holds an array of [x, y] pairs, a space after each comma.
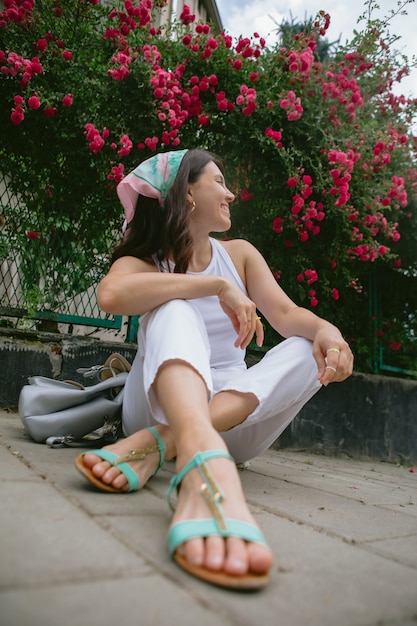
{"points": [[189, 395]]}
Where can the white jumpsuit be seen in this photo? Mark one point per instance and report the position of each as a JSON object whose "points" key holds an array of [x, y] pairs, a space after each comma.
{"points": [[200, 333]]}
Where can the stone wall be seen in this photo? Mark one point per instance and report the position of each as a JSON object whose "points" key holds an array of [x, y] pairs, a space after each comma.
{"points": [[366, 416], [25, 354]]}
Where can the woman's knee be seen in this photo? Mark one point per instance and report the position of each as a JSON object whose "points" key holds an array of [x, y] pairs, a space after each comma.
{"points": [[302, 347], [174, 328], [295, 357], [176, 309], [297, 348]]}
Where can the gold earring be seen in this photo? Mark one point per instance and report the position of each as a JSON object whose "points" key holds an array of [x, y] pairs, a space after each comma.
{"points": [[193, 206]]}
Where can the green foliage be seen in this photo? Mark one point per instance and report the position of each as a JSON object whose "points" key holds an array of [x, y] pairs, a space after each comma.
{"points": [[318, 150]]}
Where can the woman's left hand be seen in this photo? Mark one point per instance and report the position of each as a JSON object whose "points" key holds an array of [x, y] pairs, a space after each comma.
{"points": [[333, 356]]}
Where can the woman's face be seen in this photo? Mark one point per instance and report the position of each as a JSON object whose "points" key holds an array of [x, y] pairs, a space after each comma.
{"points": [[212, 198]]}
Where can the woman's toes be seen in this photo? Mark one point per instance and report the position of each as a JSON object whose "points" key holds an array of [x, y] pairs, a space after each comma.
{"points": [[100, 468], [233, 555], [112, 476], [91, 460], [105, 472], [214, 553], [117, 479], [260, 558], [193, 551], [236, 562]]}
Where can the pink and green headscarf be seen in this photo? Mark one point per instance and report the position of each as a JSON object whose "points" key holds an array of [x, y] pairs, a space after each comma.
{"points": [[153, 178]]}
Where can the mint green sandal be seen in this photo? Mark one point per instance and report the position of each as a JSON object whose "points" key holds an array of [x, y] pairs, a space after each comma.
{"points": [[122, 463], [218, 525]]}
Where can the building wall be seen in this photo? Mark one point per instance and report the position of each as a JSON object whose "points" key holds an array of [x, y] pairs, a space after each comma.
{"points": [[205, 10]]}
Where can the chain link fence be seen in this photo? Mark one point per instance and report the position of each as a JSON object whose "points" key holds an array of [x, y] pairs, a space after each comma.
{"points": [[46, 280]]}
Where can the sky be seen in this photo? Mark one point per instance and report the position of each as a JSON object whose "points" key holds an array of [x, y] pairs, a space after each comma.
{"points": [[244, 17]]}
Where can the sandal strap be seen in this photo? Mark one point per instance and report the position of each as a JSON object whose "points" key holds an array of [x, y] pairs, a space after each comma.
{"points": [[183, 531], [210, 490], [218, 525], [161, 447], [136, 455], [114, 459], [140, 453], [122, 462]]}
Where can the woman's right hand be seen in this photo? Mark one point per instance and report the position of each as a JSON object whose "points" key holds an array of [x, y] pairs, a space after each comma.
{"points": [[242, 313]]}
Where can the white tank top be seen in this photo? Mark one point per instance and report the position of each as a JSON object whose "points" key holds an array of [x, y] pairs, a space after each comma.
{"points": [[219, 327]]}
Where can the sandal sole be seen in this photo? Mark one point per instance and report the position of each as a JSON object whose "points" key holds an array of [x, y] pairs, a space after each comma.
{"points": [[247, 582]]}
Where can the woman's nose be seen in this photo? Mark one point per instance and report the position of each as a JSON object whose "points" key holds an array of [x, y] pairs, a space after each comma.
{"points": [[231, 196]]}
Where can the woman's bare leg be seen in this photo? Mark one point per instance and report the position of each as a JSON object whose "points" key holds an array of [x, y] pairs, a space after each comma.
{"points": [[226, 409], [182, 395], [230, 408]]}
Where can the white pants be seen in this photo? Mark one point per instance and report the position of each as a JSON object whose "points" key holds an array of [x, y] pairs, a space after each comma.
{"points": [[283, 381]]}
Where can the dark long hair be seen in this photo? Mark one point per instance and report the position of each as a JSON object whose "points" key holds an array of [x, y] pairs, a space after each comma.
{"points": [[165, 231]]}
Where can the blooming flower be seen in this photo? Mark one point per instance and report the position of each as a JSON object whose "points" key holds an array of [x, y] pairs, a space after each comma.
{"points": [[151, 143], [293, 106], [126, 145], [186, 16], [50, 111], [277, 225], [394, 345], [41, 45], [312, 276], [203, 120], [117, 173], [68, 100], [245, 195], [17, 115], [275, 135], [313, 300], [34, 102], [247, 97]]}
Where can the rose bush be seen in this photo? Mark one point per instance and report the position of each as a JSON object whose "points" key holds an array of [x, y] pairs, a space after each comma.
{"points": [[320, 154]]}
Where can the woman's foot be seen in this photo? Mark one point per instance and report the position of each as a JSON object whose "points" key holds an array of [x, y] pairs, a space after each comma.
{"points": [[144, 468], [230, 555]]}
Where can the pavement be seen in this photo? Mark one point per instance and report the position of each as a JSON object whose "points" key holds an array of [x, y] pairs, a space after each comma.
{"points": [[343, 531]]}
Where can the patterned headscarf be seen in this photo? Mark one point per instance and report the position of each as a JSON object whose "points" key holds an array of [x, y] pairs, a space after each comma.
{"points": [[153, 178]]}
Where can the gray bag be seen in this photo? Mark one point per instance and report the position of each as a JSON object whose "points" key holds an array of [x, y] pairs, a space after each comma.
{"points": [[51, 408]]}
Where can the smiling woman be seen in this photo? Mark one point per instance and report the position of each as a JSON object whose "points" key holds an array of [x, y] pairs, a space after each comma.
{"points": [[189, 394], [210, 199]]}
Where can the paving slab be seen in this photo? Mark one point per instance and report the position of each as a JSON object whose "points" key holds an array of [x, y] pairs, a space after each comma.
{"points": [[343, 532], [147, 600], [309, 462], [337, 515], [11, 466], [309, 566], [347, 477], [53, 540]]}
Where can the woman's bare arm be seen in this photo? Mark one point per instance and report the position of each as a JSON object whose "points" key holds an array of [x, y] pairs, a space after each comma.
{"points": [[330, 349]]}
